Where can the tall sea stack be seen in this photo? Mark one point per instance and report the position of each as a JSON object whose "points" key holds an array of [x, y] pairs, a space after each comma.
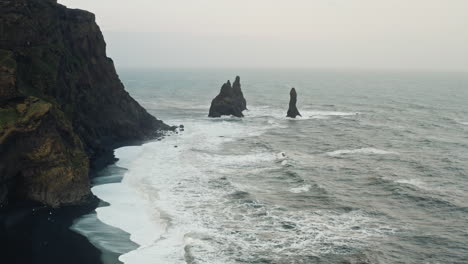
{"points": [[292, 110], [229, 101], [62, 105]]}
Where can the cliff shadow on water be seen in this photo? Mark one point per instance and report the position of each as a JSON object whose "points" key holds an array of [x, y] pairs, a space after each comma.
{"points": [[63, 110]]}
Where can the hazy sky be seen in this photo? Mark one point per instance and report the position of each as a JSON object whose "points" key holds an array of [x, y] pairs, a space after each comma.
{"points": [[393, 34]]}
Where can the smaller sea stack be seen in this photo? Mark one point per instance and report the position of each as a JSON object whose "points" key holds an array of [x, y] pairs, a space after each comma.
{"points": [[229, 101], [292, 111]]}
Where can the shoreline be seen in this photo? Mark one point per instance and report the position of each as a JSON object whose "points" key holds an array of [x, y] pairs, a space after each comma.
{"points": [[35, 233]]}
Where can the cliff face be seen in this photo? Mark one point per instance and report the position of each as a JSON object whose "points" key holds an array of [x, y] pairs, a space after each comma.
{"points": [[62, 104]]}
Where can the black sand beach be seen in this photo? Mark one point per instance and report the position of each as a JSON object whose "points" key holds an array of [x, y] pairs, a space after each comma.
{"points": [[38, 234]]}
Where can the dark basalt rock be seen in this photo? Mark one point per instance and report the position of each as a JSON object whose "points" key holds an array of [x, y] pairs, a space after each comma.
{"points": [[237, 91], [229, 101], [63, 108], [292, 110]]}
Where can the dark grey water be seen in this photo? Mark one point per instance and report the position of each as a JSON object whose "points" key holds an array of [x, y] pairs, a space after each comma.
{"points": [[375, 172]]}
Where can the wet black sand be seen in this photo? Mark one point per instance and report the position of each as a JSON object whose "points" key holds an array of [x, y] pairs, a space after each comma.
{"points": [[37, 234]]}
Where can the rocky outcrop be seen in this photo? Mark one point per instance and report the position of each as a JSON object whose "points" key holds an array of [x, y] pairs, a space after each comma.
{"points": [[229, 101], [41, 154], [292, 110], [239, 96], [62, 105]]}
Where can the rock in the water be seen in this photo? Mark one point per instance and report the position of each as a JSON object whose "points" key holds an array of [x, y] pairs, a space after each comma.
{"points": [[237, 91], [292, 111], [230, 101]]}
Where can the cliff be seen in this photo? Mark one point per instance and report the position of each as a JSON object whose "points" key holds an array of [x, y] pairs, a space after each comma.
{"points": [[62, 105], [229, 101]]}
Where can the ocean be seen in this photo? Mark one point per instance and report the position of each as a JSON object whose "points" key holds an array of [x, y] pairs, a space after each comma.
{"points": [[375, 171]]}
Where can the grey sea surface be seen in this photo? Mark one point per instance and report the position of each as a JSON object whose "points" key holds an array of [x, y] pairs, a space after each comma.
{"points": [[375, 171]]}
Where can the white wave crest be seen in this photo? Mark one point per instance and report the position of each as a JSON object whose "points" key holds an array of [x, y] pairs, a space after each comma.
{"points": [[265, 111], [414, 182], [364, 151], [300, 189]]}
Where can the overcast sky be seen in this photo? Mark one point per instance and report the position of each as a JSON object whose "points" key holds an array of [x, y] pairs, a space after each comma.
{"points": [[369, 34]]}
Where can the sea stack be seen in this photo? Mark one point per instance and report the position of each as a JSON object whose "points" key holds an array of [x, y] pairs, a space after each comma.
{"points": [[292, 111], [229, 101], [236, 88]]}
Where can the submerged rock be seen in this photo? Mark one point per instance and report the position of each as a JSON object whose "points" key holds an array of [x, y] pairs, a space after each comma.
{"points": [[229, 101], [292, 111]]}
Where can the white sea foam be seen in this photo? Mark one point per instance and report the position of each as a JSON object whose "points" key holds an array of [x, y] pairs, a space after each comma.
{"points": [[330, 113], [161, 182], [235, 160], [101, 235], [306, 113], [320, 117], [129, 212], [300, 189], [184, 204], [417, 183], [363, 151]]}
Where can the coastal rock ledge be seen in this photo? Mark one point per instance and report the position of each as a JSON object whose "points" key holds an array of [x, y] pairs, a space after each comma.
{"points": [[229, 101], [62, 105]]}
